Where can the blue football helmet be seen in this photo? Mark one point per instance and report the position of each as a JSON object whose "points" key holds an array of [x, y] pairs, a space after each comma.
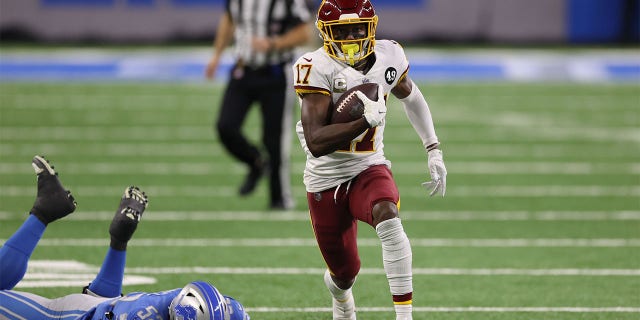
{"points": [[199, 300]]}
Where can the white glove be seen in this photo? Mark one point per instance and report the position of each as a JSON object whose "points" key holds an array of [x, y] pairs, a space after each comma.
{"points": [[438, 172], [374, 111]]}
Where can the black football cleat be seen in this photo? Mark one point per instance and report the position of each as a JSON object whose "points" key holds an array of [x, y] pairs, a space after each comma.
{"points": [[53, 201], [126, 219], [251, 181]]}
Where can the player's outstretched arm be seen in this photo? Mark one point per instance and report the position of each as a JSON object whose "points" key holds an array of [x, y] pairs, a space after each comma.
{"points": [[417, 110]]}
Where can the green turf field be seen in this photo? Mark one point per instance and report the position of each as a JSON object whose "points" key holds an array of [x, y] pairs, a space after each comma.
{"points": [[541, 219]]}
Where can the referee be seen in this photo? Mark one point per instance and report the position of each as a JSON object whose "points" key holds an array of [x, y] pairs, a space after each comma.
{"points": [[265, 33]]}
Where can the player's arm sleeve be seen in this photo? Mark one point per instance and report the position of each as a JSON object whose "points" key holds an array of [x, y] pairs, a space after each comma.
{"points": [[417, 109], [415, 105]]}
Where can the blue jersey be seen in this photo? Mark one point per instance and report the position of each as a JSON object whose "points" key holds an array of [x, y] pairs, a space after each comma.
{"points": [[134, 306]]}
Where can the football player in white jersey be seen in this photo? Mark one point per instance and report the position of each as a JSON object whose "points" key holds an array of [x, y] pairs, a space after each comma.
{"points": [[347, 176]]}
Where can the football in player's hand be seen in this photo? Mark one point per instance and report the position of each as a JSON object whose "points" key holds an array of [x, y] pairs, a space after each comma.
{"points": [[349, 107]]}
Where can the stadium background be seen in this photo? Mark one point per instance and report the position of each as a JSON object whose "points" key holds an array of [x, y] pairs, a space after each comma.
{"points": [[537, 104]]}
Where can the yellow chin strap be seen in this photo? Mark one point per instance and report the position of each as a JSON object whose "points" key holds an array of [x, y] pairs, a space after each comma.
{"points": [[350, 50]]}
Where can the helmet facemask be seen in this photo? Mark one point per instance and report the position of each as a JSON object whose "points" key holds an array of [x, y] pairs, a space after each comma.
{"points": [[349, 39]]}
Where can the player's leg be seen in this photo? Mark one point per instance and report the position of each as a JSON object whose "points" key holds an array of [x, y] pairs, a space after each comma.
{"points": [[108, 282], [52, 202], [24, 305], [397, 259], [336, 234], [235, 106], [342, 300], [374, 200], [18, 305], [15, 253], [277, 102]]}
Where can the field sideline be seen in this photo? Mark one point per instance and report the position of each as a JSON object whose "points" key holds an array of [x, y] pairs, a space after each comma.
{"points": [[541, 218]]}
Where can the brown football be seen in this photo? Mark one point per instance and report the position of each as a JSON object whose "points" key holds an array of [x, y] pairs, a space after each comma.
{"points": [[349, 107]]}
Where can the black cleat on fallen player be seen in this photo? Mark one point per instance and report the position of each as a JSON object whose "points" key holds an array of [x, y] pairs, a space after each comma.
{"points": [[53, 201], [126, 219]]}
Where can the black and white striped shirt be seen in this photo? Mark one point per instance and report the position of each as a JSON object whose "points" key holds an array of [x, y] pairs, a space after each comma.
{"points": [[264, 18]]}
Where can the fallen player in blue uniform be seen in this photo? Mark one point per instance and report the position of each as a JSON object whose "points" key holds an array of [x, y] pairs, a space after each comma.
{"points": [[102, 298]]}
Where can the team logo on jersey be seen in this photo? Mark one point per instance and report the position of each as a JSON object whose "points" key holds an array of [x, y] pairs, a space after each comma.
{"points": [[339, 85], [390, 75]]}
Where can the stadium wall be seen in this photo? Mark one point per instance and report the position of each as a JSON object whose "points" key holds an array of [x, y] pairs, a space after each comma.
{"points": [[188, 64], [418, 21]]}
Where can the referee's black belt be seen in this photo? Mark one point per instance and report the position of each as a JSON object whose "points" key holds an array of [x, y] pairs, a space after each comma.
{"points": [[271, 69]]}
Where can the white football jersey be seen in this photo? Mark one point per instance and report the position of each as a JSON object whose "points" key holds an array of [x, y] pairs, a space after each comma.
{"points": [[317, 72]]}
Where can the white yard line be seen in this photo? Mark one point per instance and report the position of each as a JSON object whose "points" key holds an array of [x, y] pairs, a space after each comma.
{"points": [[66, 269], [453, 191], [525, 149], [518, 215], [69, 273], [364, 242], [405, 133], [399, 167], [416, 309], [380, 271]]}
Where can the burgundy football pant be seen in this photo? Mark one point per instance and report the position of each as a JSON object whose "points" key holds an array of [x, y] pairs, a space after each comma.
{"points": [[334, 216]]}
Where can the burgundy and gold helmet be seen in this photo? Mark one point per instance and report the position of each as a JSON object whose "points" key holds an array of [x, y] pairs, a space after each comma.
{"points": [[348, 29]]}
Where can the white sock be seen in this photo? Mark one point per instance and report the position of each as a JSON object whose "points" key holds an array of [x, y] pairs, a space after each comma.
{"points": [[403, 311], [336, 292], [396, 256]]}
